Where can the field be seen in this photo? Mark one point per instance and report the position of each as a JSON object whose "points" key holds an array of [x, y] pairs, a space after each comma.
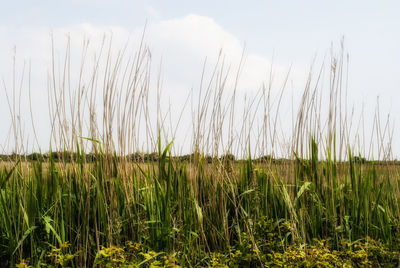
{"points": [[235, 201], [195, 213]]}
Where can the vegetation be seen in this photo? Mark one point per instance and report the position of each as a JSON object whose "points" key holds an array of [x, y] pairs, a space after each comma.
{"points": [[95, 201], [174, 213]]}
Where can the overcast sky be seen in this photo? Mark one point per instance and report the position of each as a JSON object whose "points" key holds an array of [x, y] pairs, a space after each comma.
{"points": [[183, 33]]}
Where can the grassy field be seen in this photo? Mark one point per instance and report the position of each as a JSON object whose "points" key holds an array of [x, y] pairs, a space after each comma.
{"points": [[305, 212], [99, 203]]}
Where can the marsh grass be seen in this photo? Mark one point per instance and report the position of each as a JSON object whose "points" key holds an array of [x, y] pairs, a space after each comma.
{"points": [[72, 211]]}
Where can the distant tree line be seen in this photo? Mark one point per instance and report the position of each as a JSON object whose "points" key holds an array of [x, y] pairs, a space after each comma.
{"points": [[154, 157]]}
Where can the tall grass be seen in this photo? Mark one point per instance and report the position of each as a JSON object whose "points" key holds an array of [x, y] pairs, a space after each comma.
{"points": [[201, 204]]}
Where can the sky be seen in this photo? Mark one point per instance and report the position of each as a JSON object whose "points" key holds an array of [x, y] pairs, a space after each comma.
{"points": [[181, 34]]}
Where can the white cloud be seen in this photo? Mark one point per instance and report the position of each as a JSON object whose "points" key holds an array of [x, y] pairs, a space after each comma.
{"points": [[182, 43]]}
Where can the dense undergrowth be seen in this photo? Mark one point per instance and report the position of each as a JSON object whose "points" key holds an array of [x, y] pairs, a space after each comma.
{"points": [[170, 213]]}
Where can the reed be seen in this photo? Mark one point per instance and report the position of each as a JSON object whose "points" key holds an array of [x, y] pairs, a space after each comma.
{"points": [[95, 191]]}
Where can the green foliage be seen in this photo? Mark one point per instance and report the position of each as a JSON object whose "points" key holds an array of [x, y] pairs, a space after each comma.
{"points": [[134, 255], [307, 213], [61, 257], [367, 253]]}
